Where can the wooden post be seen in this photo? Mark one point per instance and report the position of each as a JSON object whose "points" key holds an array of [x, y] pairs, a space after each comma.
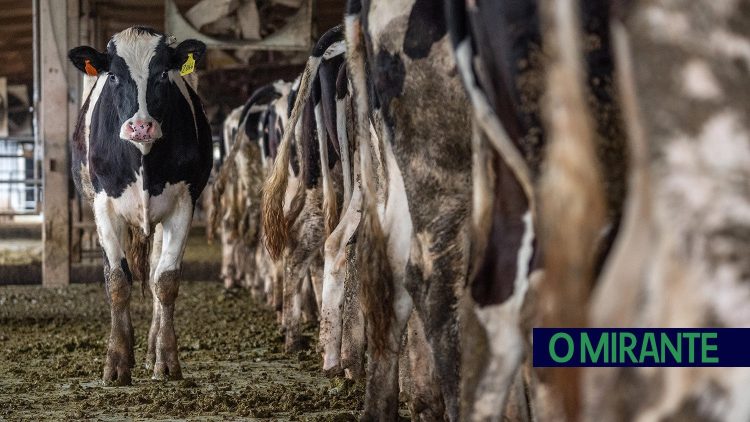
{"points": [[52, 39]]}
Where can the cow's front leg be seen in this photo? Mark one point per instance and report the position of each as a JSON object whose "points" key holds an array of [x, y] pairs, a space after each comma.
{"points": [[153, 332], [166, 285], [118, 283]]}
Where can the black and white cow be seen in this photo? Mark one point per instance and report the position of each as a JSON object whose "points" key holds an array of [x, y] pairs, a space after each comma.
{"points": [[236, 189], [413, 239], [141, 156], [296, 229]]}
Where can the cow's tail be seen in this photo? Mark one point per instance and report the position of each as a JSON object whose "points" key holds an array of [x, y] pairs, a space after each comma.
{"points": [[275, 227], [138, 256], [376, 279], [571, 193], [341, 131], [330, 210]]}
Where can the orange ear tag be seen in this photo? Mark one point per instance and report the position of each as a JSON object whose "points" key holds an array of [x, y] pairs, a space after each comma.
{"points": [[90, 70]]}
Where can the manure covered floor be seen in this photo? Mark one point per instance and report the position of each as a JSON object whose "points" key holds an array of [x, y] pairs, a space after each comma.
{"points": [[53, 344]]}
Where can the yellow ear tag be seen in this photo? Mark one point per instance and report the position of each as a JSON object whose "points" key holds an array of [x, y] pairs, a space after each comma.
{"points": [[90, 70], [189, 65]]}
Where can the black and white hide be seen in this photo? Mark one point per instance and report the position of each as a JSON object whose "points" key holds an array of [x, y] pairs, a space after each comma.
{"points": [[141, 156], [413, 253]]}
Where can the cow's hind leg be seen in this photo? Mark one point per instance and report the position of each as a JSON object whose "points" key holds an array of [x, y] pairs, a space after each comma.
{"points": [[433, 282], [166, 286], [118, 283], [295, 274], [424, 389], [353, 341], [297, 260], [334, 275], [381, 396]]}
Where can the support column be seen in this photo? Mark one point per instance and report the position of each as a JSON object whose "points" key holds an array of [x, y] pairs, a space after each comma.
{"points": [[52, 39]]}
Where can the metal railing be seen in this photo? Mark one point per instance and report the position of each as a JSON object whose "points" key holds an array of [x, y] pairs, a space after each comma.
{"points": [[20, 178]]}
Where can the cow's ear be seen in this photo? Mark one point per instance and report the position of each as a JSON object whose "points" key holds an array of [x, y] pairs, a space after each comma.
{"points": [[88, 60], [187, 54]]}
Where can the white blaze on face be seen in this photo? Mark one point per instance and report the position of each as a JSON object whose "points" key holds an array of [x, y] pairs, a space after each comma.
{"points": [[137, 48]]}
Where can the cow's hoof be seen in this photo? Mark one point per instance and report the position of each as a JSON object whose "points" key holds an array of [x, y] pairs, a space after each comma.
{"points": [[116, 377], [333, 372], [293, 345], [167, 371], [356, 374]]}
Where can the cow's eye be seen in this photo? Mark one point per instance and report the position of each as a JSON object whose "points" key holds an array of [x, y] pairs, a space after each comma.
{"points": [[164, 74]]}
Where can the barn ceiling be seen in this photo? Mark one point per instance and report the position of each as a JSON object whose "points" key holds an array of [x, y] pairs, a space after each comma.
{"points": [[16, 29]]}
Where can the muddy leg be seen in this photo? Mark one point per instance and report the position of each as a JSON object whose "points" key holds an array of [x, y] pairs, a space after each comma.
{"points": [[120, 358], [166, 287], [252, 277], [118, 284], [334, 287], [264, 272], [381, 395], [309, 307], [436, 303], [316, 281], [424, 389], [228, 270], [353, 340], [444, 343], [294, 277], [153, 330], [332, 298], [167, 365], [156, 310], [297, 260], [277, 269]]}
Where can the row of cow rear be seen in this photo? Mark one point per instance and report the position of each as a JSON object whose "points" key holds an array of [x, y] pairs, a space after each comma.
{"points": [[432, 186], [298, 284]]}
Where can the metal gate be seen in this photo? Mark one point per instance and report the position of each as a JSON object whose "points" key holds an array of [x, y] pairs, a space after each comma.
{"points": [[20, 180]]}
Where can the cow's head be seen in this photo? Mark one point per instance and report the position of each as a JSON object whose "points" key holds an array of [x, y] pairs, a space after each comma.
{"points": [[140, 64]]}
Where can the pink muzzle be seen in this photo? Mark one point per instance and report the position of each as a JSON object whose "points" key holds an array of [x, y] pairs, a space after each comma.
{"points": [[140, 130]]}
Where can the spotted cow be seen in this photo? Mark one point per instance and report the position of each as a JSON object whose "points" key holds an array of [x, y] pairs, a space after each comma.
{"points": [[141, 156], [413, 251]]}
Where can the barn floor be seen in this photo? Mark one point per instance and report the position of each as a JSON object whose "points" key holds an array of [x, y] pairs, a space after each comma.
{"points": [[52, 345]]}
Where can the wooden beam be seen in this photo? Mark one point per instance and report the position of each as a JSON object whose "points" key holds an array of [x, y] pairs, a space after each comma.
{"points": [[22, 44], [16, 27], [53, 109], [16, 14]]}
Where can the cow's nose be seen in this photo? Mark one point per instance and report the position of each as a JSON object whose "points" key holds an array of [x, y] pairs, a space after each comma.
{"points": [[140, 130]]}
